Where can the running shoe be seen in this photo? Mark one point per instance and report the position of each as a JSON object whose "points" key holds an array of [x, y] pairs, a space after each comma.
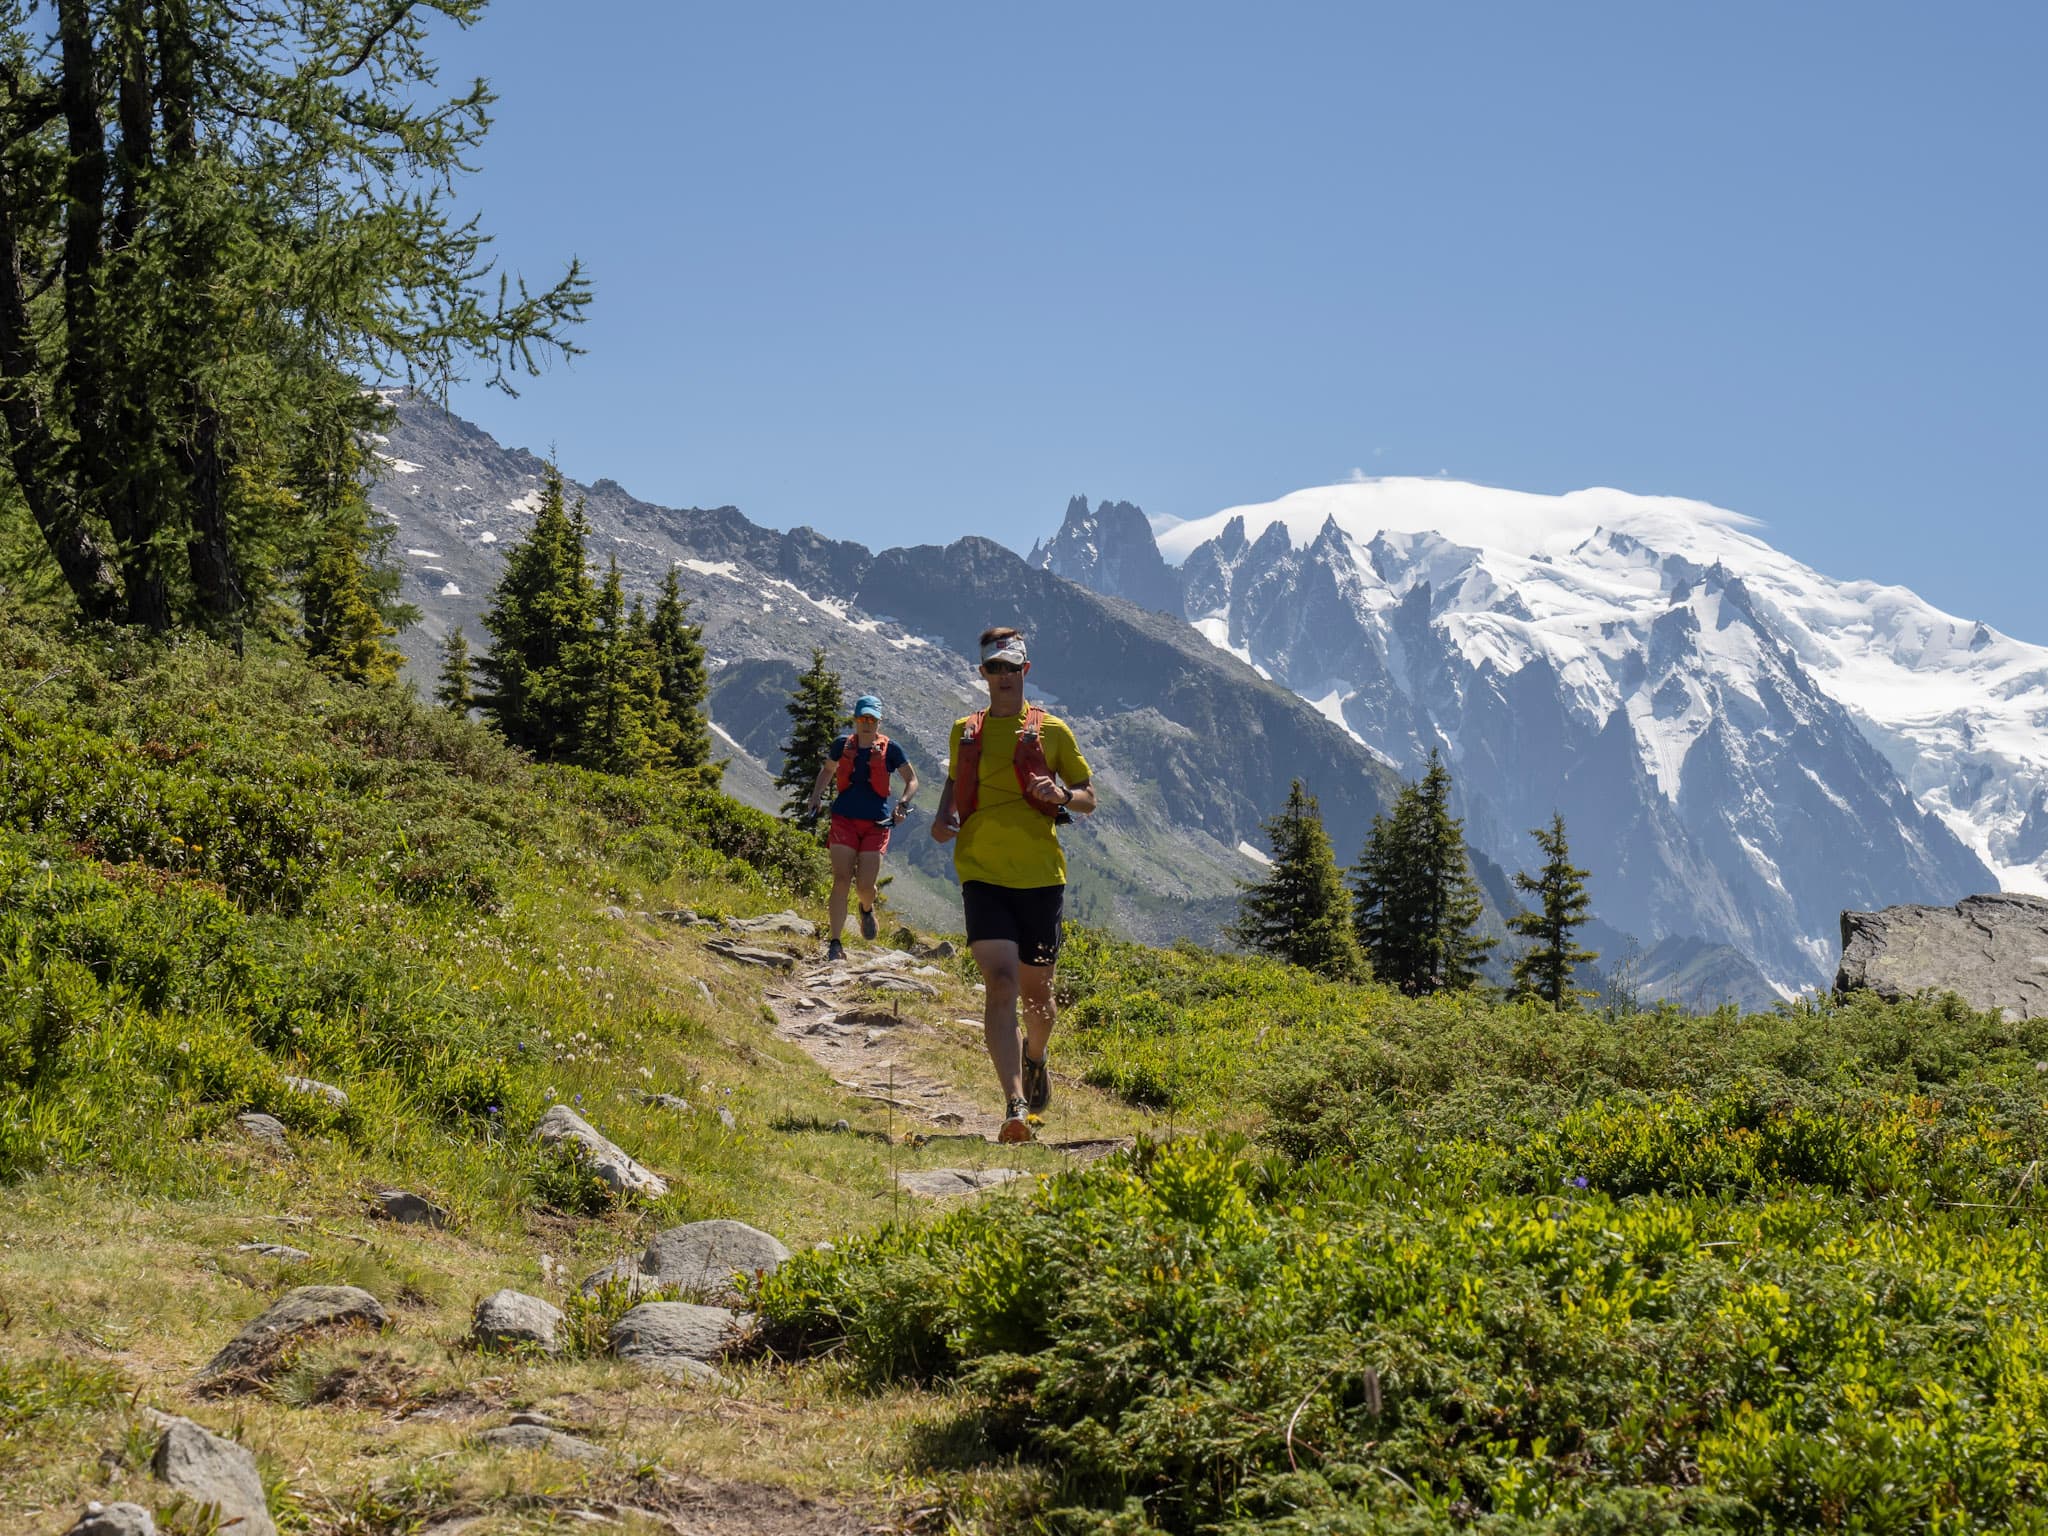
{"points": [[868, 926], [1037, 1084], [835, 951], [1016, 1124]]}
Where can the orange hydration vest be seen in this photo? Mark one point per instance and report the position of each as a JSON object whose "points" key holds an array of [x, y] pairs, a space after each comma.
{"points": [[1028, 759], [878, 764]]}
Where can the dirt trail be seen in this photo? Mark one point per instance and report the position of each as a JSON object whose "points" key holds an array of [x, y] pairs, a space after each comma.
{"points": [[848, 1016]]}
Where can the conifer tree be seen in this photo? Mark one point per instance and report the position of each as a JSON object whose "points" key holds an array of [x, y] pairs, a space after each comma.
{"points": [[679, 658], [453, 691], [542, 613], [1298, 912], [1416, 904], [345, 631], [817, 715], [622, 724], [1545, 969], [216, 221], [347, 606]]}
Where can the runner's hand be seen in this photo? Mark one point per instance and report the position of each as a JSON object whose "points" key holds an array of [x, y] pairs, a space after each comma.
{"points": [[1044, 788]]}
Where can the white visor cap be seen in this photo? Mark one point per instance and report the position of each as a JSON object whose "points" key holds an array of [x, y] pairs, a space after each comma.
{"points": [[1011, 649]]}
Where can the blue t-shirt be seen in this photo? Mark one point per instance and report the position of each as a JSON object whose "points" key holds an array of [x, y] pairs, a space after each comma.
{"points": [[859, 800]]}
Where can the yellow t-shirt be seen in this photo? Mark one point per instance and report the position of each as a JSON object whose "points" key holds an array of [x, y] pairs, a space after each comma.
{"points": [[1006, 841]]}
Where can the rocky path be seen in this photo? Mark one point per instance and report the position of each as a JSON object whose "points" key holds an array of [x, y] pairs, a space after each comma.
{"points": [[854, 1018], [848, 1016]]}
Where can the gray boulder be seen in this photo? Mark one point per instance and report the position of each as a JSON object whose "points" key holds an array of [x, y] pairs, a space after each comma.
{"points": [[774, 922], [700, 1259], [750, 954], [194, 1461], [535, 1437], [507, 1317], [114, 1520], [1992, 951], [267, 1129], [259, 1350], [677, 1338], [672, 1101], [414, 1210], [561, 1126], [319, 1090]]}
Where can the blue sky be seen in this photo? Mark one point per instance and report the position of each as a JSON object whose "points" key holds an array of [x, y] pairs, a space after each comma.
{"points": [[905, 272]]}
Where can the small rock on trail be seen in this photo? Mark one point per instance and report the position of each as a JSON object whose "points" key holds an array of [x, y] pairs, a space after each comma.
{"points": [[256, 1353], [774, 922], [751, 954]]}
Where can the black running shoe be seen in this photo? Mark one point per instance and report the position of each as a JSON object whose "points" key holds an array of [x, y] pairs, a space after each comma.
{"points": [[835, 951], [868, 926], [1037, 1084]]}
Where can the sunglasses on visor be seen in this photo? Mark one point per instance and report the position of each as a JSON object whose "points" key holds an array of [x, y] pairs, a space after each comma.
{"points": [[1000, 668]]}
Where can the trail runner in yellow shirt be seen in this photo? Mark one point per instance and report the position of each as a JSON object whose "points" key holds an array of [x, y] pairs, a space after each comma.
{"points": [[1013, 772]]}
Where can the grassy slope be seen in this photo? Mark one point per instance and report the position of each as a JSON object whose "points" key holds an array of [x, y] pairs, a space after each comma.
{"points": [[219, 872], [1514, 1272]]}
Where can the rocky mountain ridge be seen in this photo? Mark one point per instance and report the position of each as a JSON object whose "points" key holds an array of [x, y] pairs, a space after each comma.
{"points": [[1192, 747]]}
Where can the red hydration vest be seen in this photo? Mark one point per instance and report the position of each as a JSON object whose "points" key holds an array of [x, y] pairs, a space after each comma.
{"points": [[1028, 759], [878, 763]]}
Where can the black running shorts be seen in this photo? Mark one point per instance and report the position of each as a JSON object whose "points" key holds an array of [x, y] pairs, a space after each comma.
{"points": [[1028, 917]]}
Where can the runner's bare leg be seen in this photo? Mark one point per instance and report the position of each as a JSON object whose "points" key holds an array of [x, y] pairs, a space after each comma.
{"points": [[1035, 989], [842, 878], [867, 871], [999, 974]]}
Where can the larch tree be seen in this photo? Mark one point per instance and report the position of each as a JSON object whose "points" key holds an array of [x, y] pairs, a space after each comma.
{"points": [[218, 223], [1299, 911], [1546, 968]]}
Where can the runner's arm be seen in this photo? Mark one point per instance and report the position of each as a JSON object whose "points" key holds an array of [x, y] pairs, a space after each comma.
{"points": [[1083, 797], [908, 775], [818, 787], [943, 824]]}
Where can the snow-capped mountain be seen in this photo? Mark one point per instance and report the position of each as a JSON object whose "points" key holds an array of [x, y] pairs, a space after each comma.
{"points": [[1741, 746]]}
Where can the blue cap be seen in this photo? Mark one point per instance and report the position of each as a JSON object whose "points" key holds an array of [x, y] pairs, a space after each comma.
{"points": [[868, 704]]}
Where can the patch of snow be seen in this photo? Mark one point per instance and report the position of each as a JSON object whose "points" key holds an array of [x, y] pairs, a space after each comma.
{"points": [[487, 537], [1256, 855], [529, 503], [725, 568], [451, 590], [424, 554], [1331, 707], [399, 466]]}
